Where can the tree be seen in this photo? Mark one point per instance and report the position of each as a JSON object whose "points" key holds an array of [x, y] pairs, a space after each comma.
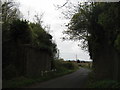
{"points": [[21, 37], [97, 24], [40, 37], [78, 61], [10, 12], [20, 32]]}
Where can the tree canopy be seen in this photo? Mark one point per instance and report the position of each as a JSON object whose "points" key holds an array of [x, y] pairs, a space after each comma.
{"points": [[19, 35], [97, 25]]}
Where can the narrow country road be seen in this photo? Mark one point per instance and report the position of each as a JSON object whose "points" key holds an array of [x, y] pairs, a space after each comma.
{"points": [[73, 80]]}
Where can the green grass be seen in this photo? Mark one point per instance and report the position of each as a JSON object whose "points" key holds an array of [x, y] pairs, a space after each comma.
{"points": [[62, 67], [17, 82], [92, 83], [25, 81], [105, 84], [86, 66]]}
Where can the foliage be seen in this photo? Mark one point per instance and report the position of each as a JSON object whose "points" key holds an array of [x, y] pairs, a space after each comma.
{"points": [[94, 23], [105, 84], [40, 37], [9, 72], [17, 82], [63, 65], [10, 12], [86, 65], [117, 42], [97, 25], [18, 33], [25, 81]]}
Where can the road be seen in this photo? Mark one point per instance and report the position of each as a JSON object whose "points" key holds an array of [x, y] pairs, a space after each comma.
{"points": [[74, 80]]}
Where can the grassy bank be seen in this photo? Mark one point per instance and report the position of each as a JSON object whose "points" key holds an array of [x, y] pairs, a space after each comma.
{"points": [[62, 68], [92, 83]]}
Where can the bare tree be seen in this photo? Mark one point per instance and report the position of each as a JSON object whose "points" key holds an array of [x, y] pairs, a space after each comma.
{"points": [[10, 11], [60, 6], [38, 18]]}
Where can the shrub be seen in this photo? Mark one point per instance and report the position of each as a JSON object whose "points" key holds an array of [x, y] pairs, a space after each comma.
{"points": [[64, 65], [93, 83], [105, 84], [9, 72]]}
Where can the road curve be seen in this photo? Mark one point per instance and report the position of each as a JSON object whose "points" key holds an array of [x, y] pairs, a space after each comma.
{"points": [[73, 80]]}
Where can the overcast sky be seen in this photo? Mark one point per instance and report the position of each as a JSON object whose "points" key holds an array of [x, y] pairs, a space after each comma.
{"points": [[53, 18]]}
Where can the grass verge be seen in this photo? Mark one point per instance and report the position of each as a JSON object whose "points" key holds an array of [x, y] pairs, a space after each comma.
{"points": [[25, 81], [92, 83]]}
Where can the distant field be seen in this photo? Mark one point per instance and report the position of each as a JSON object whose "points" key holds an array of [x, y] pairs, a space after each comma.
{"points": [[87, 64]]}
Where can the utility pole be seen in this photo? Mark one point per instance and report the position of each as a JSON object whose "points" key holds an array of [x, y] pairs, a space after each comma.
{"points": [[76, 57]]}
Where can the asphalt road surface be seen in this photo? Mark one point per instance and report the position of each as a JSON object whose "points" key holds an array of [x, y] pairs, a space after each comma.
{"points": [[77, 79]]}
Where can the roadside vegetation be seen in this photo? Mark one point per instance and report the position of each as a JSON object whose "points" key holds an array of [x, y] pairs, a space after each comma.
{"points": [[61, 68], [96, 25], [86, 65], [105, 83], [19, 36]]}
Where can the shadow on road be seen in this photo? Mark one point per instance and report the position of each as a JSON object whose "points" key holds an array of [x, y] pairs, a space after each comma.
{"points": [[77, 79]]}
